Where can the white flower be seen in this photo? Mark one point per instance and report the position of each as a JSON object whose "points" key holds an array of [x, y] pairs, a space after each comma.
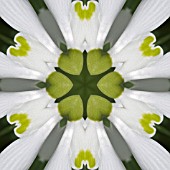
{"points": [[84, 28]]}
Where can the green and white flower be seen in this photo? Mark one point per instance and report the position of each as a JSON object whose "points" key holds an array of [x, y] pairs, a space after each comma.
{"points": [[84, 84]]}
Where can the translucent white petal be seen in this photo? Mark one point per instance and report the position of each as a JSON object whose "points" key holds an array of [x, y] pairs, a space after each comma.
{"points": [[109, 159], [149, 15], [149, 154], [61, 11], [78, 30], [21, 16], [85, 139], [85, 30], [91, 28], [138, 115], [118, 26], [31, 115], [37, 57], [158, 100], [10, 101], [61, 158], [138, 54], [50, 24], [108, 11], [11, 69], [21, 153], [159, 69]]}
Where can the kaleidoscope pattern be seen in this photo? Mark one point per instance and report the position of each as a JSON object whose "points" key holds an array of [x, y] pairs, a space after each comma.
{"points": [[84, 85]]}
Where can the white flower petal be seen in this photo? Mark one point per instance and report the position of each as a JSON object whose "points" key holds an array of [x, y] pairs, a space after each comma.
{"points": [[9, 101], [85, 29], [90, 33], [61, 158], [108, 11], [149, 15], [85, 140], [149, 154], [79, 30], [91, 27], [10, 69], [159, 69], [158, 100], [61, 12], [109, 159], [21, 153], [30, 116], [21, 16], [138, 54], [32, 54], [138, 115]]}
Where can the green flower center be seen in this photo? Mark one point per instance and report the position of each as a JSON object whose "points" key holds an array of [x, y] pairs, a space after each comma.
{"points": [[84, 85]]}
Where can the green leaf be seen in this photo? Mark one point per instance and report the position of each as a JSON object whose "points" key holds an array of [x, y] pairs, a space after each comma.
{"points": [[63, 47], [41, 85], [7, 35], [106, 47], [106, 122], [128, 84], [63, 122], [7, 135], [162, 135], [163, 36]]}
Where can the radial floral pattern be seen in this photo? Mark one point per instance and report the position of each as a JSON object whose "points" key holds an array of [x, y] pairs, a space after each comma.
{"points": [[85, 84]]}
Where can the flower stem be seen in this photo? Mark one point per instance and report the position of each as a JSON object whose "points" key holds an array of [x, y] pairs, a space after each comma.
{"points": [[163, 130], [6, 40], [6, 130]]}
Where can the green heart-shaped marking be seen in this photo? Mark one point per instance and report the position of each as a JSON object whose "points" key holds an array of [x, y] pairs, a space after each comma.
{"points": [[111, 85], [71, 108], [98, 108], [22, 50], [58, 85], [23, 120], [85, 13], [147, 50], [85, 156], [98, 61], [71, 62], [146, 121]]}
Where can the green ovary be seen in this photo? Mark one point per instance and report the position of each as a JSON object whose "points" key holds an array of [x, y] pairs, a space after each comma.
{"points": [[71, 108], [146, 48], [85, 156], [22, 50], [71, 62], [23, 120], [58, 85], [98, 62], [147, 119], [98, 108], [85, 85], [85, 13], [111, 85]]}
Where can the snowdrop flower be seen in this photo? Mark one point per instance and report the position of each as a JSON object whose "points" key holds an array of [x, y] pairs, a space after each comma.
{"points": [[80, 84]]}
